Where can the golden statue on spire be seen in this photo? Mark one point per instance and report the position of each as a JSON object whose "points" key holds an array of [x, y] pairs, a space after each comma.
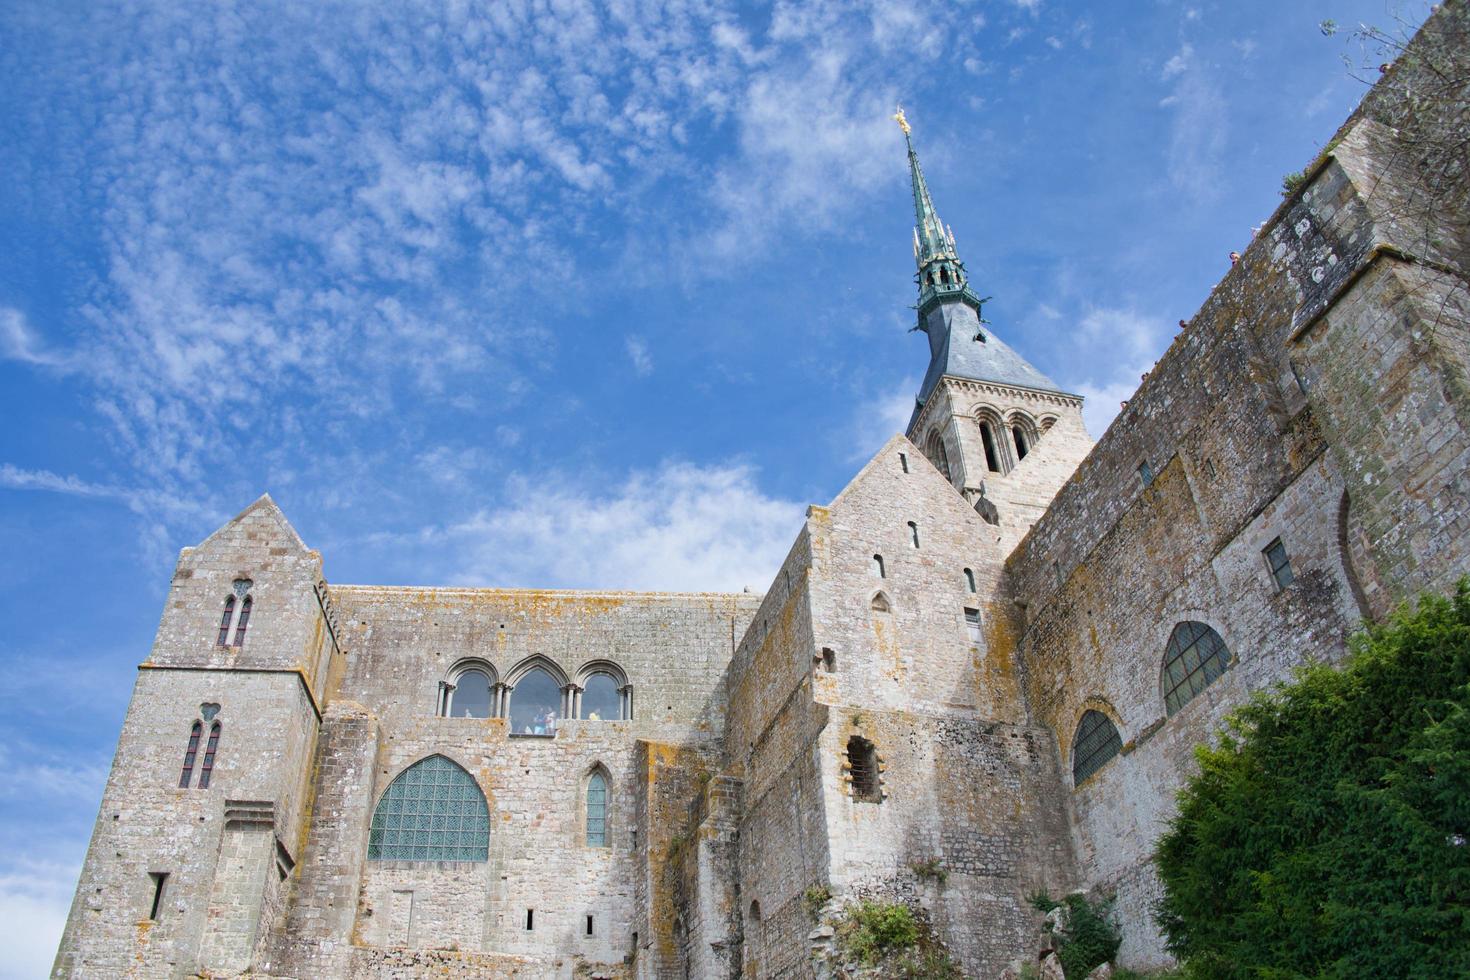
{"points": [[903, 123]]}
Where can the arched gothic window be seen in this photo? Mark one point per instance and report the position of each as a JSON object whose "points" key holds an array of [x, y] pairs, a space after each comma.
{"points": [[880, 603], [969, 580], [1022, 446], [535, 704], [1194, 659], [987, 438], [597, 810], [243, 622], [1096, 742], [469, 696], [206, 768], [601, 698], [225, 620], [189, 754], [433, 811]]}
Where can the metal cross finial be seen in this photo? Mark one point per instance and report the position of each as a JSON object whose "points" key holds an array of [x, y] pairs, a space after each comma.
{"points": [[903, 123]]}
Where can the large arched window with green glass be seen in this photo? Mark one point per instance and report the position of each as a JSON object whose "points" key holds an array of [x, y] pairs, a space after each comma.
{"points": [[1194, 659], [433, 811]]}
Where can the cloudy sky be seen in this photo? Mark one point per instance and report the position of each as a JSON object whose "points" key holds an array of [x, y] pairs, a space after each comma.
{"points": [[550, 293]]}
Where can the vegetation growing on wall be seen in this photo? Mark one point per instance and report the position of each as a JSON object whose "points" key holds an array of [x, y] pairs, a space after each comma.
{"points": [[885, 939], [1328, 833], [1083, 937]]}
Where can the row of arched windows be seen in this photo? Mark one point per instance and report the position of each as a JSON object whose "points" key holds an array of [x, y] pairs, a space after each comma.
{"points": [[1194, 658], [1006, 440], [536, 694], [435, 811]]}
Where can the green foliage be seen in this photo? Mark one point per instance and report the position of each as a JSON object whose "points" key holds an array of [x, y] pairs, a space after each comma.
{"points": [[931, 870], [1087, 939], [1292, 181], [814, 898], [1325, 835], [930, 963], [1122, 973], [871, 929]]}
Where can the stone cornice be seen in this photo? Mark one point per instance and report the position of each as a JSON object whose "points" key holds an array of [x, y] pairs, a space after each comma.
{"points": [[990, 387]]}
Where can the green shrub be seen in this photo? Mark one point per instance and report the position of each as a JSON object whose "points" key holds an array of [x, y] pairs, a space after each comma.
{"points": [[1088, 940], [931, 870], [1325, 834], [871, 929], [931, 963]]}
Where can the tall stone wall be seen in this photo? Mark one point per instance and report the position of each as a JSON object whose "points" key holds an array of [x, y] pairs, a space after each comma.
{"points": [[1318, 397]]}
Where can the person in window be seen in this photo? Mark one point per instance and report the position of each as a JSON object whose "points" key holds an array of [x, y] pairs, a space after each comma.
{"points": [[594, 716]]}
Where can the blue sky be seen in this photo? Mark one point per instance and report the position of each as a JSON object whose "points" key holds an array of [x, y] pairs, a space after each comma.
{"points": [[550, 294]]}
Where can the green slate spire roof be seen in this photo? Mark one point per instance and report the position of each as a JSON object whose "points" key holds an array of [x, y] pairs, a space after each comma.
{"points": [[941, 273], [961, 344]]}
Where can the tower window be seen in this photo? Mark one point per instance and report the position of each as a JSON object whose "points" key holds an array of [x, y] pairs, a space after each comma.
{"points": [[206, 768], [992, 458], [862, 766], [914, 533], [1021, 447], [225, 620], [972, 624], [969, 580], [188, 773], [937, 454], [530, 919], [878, 566], [243, 622], [158, 878], [1279, 564]]}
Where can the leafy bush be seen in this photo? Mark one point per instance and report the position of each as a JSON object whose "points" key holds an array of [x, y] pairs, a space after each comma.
{"points": [[1326, 833], [1087, 939], [870, 929], [931, 870]]}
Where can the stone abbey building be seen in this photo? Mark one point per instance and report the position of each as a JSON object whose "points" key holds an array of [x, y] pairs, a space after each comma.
{"points": [[993, 651]]}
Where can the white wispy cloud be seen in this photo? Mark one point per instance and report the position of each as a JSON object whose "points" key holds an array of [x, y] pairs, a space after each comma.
{"points": [[19, 342], [1124, 344], [877, 419], [1198, 132], [679, 526]]}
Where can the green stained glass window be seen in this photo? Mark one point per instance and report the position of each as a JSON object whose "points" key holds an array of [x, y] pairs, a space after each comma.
{"points": [[1195, 658], [433, 811], [1097, 742], [597, 811]]}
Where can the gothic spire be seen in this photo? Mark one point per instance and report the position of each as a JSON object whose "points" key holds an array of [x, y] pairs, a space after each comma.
{"points": [[941, 273]]}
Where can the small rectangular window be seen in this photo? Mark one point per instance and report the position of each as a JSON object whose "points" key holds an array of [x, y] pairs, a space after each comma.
{"points": [[903, 460], [972, 624], [1278, 563], [914, 533], [530, 919], [589, 925], [158, 878], [1145, 473]]}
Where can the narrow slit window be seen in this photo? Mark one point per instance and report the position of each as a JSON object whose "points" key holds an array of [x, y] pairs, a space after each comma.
{"points": [[244, 621], [987, 438], [206, 768], [589, 925], [972, 624], [1021, 446], [1279, 564], [225, 620], [159, 878], [828, 660], [914, 533], [189, 754], [862, 766], [969, 580], [1145, 473], [903, 461], [530, 919], [878, 570]]}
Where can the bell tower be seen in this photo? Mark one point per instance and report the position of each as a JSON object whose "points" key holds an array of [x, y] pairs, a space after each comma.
{"points": [[1004, 434]]}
